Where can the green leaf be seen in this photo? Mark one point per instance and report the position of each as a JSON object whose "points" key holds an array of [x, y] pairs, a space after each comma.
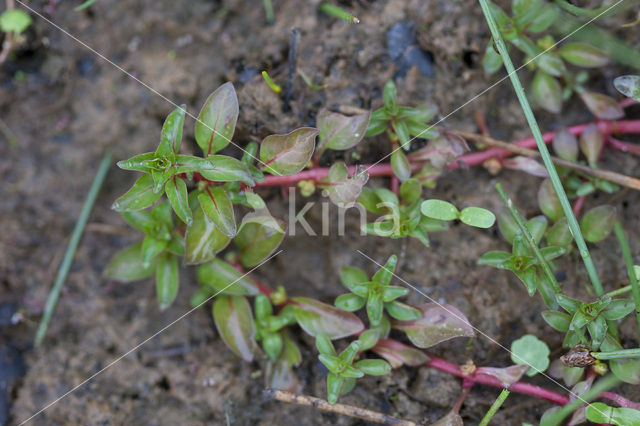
{"points": [[531, 351], [618, 309], [597, 330], [375, 308], [228, 169], [352, 276], [140, 196], [216, 204], [491, 61], [550, 63], [370, 201], [343, 188], [560, 233], [439, 322], [398, 354], [389, 97], [272, 344], [543, 19], [203, 240], [171, 135], [410, 191], [176, 190], [234, 321], [558, 320], [369, 338], [536, 226], [627, 370], [127, 265], [401, 129], [400, 165], [151, 247], [494, 258], [478, 217], [350, 302], [217, 120], [597, 223], [507, 225], [547, 92], [319, 318], [628, 85], [325, 346], [549, 202], [583, 55], [334, 384], [568, 304], [599, 412], [383, 275], [258, 239], [166, 279], [15, 21], [438, 209], [285, 155], [390, 293], [553, 252], [338, 131], [602, 106], [373, 367], [222, 277], [139, 163], [565, 144], [402, 311]]}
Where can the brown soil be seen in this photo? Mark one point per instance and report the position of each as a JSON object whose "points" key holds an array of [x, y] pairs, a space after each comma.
{"points": [[73, 105]]}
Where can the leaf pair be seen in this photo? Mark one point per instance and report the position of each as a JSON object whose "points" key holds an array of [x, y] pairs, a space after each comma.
{"points": [[344, 369]]}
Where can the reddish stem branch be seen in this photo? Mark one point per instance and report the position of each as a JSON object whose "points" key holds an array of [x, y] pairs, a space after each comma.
{"points": [[623, 146], [521, 387], [577, 206], [606, 128]]}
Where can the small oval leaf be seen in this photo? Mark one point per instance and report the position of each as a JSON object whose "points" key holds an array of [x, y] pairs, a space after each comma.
{"points": [[439, 322], [319, 318], [234, 321], [224, 278], [217, 120], [217, 205], [338, 131], [127, 265], [288, 154]]}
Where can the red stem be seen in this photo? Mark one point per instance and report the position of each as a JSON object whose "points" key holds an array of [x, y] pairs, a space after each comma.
{"points": [[471, 159], [521, 387]]}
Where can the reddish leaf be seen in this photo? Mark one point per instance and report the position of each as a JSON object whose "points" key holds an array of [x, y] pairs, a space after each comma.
{"points": [[398, 354], [234, 322], [319, 318], [338, 131], [602, 106], [288, 154], [342, 188], [438, 324], [507, 376], [217, 120]]}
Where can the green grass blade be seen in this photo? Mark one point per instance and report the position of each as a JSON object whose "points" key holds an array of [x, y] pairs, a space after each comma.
{"points": [[494, 407], [63, 271], [628, 260], [544, 152]]}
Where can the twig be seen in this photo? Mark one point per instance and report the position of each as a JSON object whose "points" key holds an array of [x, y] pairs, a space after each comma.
{"points": [[347, 410], [614, 177], [63, 271]]}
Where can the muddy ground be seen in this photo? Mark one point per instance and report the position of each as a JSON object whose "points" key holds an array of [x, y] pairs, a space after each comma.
{"points": [[71, 105]]}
